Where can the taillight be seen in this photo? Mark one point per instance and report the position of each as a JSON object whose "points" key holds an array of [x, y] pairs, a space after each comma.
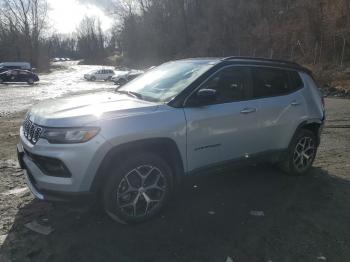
{"points": [[323, 109]]}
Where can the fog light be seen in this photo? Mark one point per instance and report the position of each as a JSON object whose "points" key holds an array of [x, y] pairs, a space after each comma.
{"points": [[51, 166]]}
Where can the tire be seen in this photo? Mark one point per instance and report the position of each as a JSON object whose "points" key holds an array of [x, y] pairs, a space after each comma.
{"points": [[30, 81], [93, 78], [301, 153], [1, 81], [122, 82], [137, 190], [108, 79]]}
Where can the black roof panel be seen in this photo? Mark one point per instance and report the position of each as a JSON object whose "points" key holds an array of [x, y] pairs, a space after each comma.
{"points": [[253, 61]]}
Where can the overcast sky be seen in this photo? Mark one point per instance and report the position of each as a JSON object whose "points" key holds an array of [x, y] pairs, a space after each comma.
{"points": [[65, 15]]}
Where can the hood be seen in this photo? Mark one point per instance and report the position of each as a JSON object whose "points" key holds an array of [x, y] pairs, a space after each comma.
{"points": [[85, 109]]}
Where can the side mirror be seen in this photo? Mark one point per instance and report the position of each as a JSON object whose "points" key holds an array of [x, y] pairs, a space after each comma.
{"points": [[206, 96]]}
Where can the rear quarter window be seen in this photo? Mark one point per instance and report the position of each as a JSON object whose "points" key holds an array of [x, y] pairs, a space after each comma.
{"points": [[295, 81]]}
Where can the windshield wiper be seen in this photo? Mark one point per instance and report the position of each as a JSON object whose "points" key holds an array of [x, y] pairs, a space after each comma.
{"points": [[130, 93]]}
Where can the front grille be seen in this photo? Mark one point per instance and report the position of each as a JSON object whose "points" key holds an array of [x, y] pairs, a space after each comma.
{"points": [[31, 131]]}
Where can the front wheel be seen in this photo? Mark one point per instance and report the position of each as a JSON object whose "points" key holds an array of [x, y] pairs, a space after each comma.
{"points": [[1, 81], [30, 81], [301, 153], [139, 189], [122, 82]]}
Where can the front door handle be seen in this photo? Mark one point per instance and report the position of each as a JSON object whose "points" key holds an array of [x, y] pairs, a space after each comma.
{"points": [[295, 103], [248, 110]]}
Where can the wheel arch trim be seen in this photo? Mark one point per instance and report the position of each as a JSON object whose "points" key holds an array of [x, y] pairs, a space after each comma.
{"points": [[173, 157], [306, 123]]}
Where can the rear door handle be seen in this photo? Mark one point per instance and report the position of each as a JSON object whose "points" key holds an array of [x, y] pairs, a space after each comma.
{"points": [[248, 110], [295, 103]]}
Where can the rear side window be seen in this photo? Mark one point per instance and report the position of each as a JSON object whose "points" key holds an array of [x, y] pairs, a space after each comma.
{"points": [[270, 82]]}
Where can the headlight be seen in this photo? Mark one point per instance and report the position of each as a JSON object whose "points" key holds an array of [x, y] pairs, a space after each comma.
{"points": [[69, 135]]}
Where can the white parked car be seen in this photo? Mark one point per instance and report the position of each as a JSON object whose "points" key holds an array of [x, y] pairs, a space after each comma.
{"points": [[102, 74]]}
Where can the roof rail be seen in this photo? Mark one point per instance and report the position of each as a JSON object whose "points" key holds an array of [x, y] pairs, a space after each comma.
{"points": [[261, 59]]}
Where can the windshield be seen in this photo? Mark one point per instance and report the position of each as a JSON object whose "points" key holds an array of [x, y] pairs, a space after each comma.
{"points": [[164, 82]]}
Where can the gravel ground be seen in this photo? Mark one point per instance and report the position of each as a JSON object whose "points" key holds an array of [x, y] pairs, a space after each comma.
{"points": [[210, 219]]}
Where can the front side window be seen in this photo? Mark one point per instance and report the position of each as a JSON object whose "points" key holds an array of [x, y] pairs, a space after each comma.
{"points": [[269, 82], [230, 85], [166, 81]]}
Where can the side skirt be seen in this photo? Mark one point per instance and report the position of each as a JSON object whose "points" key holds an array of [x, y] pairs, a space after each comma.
{"points": [[271, 156]]}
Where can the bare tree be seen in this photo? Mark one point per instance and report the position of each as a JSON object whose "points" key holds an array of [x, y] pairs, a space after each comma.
{"points": [[23, 22], [298, 29], [91, 42]]}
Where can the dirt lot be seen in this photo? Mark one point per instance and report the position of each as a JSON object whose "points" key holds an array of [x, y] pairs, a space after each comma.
{"points": [[305, 218]]}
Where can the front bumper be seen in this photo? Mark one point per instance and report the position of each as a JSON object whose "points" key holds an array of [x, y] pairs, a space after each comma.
{"points": [[81, 160], [44, 194]]}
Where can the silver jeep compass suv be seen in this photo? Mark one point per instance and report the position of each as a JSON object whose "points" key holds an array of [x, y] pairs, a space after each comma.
{"points": [[130, 148]]}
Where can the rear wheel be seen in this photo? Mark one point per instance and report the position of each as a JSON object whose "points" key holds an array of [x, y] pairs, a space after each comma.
{"points": [[301, 153], [139, 189], [30, 81]]}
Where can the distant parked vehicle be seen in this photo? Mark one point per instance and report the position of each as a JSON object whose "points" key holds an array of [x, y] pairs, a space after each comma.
{"points": [[56, 59], [5, 66], [17, 75], [119, 77], [103, 74], [125, 77]]}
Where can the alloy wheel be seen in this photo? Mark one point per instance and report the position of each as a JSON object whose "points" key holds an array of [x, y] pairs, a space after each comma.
{"points": [[141, 191], [304, 153]]}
